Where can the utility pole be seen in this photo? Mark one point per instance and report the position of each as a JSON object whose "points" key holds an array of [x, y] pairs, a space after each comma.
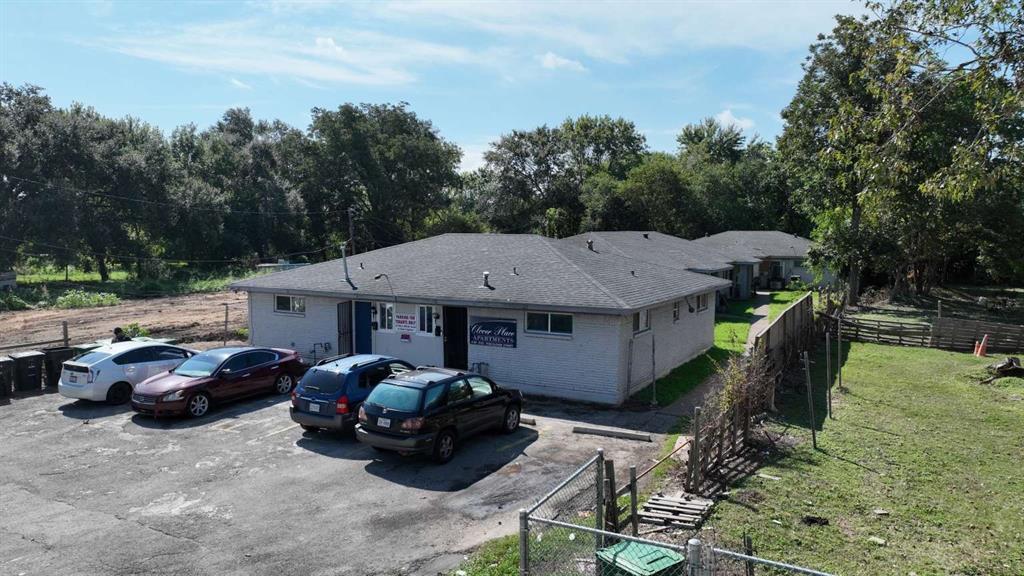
{"points": [[351, 229]]}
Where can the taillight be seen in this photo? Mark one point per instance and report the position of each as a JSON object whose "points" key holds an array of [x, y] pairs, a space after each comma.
{"points": [[362, 414], [342, 405], [412, 424], [295, 398], [92, 376]]}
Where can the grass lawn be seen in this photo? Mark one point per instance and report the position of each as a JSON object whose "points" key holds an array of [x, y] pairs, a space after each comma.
{"points": [[916, 435], [781, 300], [44, 287]]}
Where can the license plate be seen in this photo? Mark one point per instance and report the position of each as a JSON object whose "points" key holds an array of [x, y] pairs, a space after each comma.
{"points": [[73, 378], [314, 407], [384, 422]]}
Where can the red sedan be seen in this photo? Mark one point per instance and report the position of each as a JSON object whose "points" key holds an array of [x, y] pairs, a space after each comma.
{"points": [[217, 376]]}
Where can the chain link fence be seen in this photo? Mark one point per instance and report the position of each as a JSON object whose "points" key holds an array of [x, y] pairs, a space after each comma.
{"points": [[561, 535]]}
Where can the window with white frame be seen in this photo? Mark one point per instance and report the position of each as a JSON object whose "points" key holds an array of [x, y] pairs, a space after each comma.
{"points": [[702, 302], [289, 304], [427, 319], [386, 316], [546, 323], [675, 311], [641, 321]]}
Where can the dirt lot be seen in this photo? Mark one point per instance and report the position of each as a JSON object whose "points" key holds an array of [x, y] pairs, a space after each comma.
{"points": [[91, 489], [195, 318]]}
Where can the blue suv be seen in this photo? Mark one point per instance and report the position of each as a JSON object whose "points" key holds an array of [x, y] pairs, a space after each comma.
{"points": [[330, 394]]}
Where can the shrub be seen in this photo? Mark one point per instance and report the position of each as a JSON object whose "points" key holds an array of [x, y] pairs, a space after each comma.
{"points": [[9, 302], [133, 330], [83, 299]]}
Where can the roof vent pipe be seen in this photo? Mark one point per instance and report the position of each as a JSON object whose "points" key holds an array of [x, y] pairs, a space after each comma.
{"points": [[487, 280], [632, 272], [344, 263], [590, 245], [647, 236], [515, 271]]}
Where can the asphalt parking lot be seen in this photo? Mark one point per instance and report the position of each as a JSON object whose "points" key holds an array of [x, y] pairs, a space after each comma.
{"points": [[91, 489]]}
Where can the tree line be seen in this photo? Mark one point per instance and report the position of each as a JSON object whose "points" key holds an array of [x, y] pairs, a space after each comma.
{"points": [[903, 166]]}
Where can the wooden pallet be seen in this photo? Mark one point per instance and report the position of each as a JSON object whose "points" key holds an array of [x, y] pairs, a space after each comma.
{"points": [[683, 512]]}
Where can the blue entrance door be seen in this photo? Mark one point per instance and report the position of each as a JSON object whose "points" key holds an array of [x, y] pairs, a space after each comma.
{"points": [[364, 337]]}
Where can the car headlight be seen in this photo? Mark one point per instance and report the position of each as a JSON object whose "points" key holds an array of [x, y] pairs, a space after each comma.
{"points": [[176, 395]]}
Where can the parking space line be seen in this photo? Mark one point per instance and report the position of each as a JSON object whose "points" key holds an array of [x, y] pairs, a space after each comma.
{"points": [[268, 435], [513, 443]]}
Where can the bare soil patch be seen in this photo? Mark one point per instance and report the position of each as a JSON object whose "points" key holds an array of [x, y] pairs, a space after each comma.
{"points": [[192, 318]]}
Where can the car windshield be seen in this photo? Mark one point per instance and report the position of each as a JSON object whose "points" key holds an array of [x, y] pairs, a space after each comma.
{"points": [[90, 357], [323, 381], [197, 366], [394, 397]]}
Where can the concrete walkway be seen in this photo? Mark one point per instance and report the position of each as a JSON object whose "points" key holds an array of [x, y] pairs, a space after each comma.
{"points": [[762, 306]]}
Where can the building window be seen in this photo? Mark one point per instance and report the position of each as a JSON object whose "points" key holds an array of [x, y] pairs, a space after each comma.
{"points": [[544, 323], [702, 302], [290, 304], [427, 319], [641, 321], [675, 311], [386, 318]]}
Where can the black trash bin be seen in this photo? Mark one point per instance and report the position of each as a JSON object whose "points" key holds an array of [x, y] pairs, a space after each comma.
{"points": [[53, 362], [6, 376], [28, 371]]}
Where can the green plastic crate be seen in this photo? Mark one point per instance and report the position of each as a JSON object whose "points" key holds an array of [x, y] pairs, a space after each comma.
{"points": [[636, 559]]}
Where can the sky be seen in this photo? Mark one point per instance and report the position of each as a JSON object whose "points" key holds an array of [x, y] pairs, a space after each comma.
{"points": [[476, 70]]}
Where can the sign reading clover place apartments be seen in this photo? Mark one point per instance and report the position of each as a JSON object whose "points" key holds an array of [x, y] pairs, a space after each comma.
{"points": [[493, 332]]}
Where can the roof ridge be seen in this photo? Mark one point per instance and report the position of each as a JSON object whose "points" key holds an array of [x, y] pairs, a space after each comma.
{"points": [[551, 244]]}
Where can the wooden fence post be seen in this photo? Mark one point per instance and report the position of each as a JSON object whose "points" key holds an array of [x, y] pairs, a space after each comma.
{"points": [[611, 515], [64, 329], [810, 400], [748, 549], [839, 352], [828, 370], [634, 514], [695, 478]]}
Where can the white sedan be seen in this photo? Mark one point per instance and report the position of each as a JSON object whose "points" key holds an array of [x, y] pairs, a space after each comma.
{"points": [[109, 373]]}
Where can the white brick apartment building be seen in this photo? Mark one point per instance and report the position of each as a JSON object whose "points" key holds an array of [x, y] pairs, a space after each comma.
{"points": [[548, 317]]}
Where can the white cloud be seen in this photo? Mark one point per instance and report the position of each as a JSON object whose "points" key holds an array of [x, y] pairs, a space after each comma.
{"points": [[727, 118], [473, 156], [253, 47], [553, 61], [239, 84], [617, 31]]}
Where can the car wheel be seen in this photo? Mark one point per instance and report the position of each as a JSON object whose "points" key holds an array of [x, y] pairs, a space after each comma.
{"points": [[283, 384], [310, 428], [511, 422], [444, 446], [198, 405], [119, 393]]}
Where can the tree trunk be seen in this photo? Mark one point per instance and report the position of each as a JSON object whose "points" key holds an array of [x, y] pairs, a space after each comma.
{"points": [[853, 280], [101, 265]]}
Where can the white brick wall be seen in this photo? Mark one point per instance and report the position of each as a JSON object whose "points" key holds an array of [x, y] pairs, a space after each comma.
{"points": [[676, 341], [590, 366], [297, 332], [583, 367], [420, 349]]}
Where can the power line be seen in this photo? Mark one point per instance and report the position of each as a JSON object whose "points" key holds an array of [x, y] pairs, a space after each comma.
{"points": [[175, 204]]}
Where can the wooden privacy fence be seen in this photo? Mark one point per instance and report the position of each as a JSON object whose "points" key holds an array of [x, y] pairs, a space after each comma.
{"points": [[782, 341], [956, 334], [945, 333]]}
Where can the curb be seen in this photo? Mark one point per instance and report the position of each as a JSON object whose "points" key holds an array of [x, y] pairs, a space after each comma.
{"points": [[612, 433]]}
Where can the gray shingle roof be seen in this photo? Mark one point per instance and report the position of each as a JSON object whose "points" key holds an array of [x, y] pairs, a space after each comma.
{"points": [[759, 243], [655, 248], [448, 269]]}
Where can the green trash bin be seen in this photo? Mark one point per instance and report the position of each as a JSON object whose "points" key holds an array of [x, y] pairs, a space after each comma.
{"points": [[637, 559], [6, 376], [53, 362]]}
